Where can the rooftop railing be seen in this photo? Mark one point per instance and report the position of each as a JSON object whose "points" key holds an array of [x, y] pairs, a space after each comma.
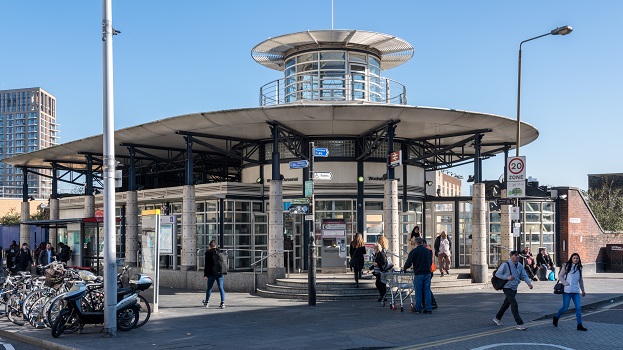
{"points": [[331, 88]]}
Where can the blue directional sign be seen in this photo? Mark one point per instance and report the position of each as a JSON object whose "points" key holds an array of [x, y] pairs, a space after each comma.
{"points": [[321, 152], [299, 164]]}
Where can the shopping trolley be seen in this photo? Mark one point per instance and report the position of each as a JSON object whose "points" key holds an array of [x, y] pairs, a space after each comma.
{"points": [[399, 288]]}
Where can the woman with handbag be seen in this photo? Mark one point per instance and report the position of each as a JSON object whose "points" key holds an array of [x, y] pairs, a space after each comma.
{"points": [[357, 251], [379, 264], [571, 277]]}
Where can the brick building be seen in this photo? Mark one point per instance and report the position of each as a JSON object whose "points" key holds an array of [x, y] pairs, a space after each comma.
{"points": [[580, 232]]}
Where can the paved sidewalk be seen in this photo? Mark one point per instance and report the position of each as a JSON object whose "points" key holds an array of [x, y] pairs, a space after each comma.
{"points": [[250, 322]]}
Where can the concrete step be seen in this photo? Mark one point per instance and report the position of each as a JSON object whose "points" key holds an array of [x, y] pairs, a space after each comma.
{"points": [[342, 286]]}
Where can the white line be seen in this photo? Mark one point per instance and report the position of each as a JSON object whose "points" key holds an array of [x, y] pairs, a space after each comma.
{"points": [[7, 346], [491, 346]]}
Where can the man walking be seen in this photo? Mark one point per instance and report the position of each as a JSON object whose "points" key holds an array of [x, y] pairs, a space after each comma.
{"points": [[46, 256], [514, 273], [421, 258], [215, 268]]}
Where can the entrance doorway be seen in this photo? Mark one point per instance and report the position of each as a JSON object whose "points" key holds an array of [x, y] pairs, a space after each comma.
{"points": [[293, 239]]}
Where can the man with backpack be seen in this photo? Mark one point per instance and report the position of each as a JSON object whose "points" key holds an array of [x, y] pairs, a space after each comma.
{"points": [[514, 273], [215, 269]]}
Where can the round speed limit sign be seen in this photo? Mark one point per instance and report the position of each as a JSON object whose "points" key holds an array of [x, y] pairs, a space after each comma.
{"points": [[516, 167]]}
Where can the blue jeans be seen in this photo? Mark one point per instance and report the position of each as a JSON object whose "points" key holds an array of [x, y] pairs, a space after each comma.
{"points": [[421, 284], [219, 282], [566, 297]]}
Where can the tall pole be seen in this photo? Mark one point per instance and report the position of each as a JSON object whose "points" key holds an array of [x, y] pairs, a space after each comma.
{"points": [[110, 266], [311, 271], [564, 30]]}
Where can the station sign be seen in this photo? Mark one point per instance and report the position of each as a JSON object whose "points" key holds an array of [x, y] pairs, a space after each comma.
{"points": [[301, 201], [395, 159], [322, 175], [504, 201], [299, 164], [309, 188], [321, 152]]}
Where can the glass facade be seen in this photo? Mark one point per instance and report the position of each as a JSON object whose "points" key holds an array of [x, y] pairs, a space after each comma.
{"points": [[333, 76]]}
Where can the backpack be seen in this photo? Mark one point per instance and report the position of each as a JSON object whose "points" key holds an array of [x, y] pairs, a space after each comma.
{"points": [[220, 262], [497, 282]]}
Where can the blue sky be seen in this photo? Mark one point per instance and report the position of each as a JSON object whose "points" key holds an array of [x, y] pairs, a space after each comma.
{"points": [[178, 57]]}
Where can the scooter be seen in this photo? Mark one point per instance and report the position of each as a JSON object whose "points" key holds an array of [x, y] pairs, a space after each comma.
{"points": [[75, 315]]}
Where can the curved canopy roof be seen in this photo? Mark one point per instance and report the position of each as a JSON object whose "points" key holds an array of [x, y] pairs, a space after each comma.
{"points": [[391, 50], [313, 120]]}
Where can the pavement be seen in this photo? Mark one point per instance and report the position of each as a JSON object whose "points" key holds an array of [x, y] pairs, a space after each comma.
{"points": [[462, 321]]}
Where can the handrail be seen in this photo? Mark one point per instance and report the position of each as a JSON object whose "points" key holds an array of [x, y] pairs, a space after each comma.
{"points": [[261, 262], [346, 87], [199, 250]]}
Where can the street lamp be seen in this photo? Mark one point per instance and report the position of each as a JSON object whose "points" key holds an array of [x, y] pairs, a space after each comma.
{"points": [[558, 31]]}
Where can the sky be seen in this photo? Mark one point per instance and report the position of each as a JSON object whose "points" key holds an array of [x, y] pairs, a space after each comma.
{"points": [[188, 56]]}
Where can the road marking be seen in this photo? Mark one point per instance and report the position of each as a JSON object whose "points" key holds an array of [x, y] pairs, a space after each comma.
{"points": [[513, 344], [7, 346], [487, 333]]}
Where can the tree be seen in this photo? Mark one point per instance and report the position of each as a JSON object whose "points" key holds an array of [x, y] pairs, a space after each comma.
{"points": [[606, 202], [11, 218]]}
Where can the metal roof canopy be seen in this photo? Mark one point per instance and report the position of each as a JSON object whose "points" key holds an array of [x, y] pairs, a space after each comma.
{"points": [[317, 120], [61, 223], [392, 50]]}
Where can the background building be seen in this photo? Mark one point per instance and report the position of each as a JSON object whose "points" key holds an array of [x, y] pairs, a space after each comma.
{"points": [[27, 124], [443, 183]]}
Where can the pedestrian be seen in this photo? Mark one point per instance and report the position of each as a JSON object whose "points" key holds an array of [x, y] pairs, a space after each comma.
{"points": [[528, 263], [514, 272], [214, 271], [64, 252], [47, 255], [10, 255], [379, 264], [571, 277], [38, 250], [23, 259], [432, 272], [357, 251], [421, 259], [544, 263], [414, 233], [444, 253]]}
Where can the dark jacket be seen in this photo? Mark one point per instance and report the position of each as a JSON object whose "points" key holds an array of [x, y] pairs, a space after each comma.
{"points": [[544, 260], [420, 258], [356, 257], [43, 256], [65, 253], [211, 263], [23, 259], [380, 259]]}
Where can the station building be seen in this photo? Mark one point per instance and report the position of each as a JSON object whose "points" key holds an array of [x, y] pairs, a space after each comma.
{"points": [[227, 175]]}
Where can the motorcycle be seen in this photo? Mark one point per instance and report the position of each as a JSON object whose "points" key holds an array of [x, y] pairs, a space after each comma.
{"points": [[76, 313]]}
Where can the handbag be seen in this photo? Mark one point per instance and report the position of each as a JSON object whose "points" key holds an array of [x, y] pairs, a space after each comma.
{"points": [[559, 288]]}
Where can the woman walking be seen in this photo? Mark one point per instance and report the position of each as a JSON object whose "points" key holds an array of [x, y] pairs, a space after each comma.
{"points": [[571, 277], [357, 251]]}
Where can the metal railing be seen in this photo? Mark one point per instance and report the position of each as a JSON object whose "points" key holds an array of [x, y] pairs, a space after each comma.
{"points": [[260, 262], [311, 87]]}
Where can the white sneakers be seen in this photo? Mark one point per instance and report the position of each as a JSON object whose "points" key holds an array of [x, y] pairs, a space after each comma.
{"points": [[498, 322], [521, 327]]}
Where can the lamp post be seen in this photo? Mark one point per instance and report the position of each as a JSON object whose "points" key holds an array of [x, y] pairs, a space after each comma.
{"points": [[558, 31]]}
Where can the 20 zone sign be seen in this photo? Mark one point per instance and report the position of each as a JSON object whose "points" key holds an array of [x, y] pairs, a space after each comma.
{"points": [[516, 167]]}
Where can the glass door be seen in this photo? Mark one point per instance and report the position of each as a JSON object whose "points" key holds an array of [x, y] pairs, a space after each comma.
{"points": [[93, 247], [293, 240]]}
